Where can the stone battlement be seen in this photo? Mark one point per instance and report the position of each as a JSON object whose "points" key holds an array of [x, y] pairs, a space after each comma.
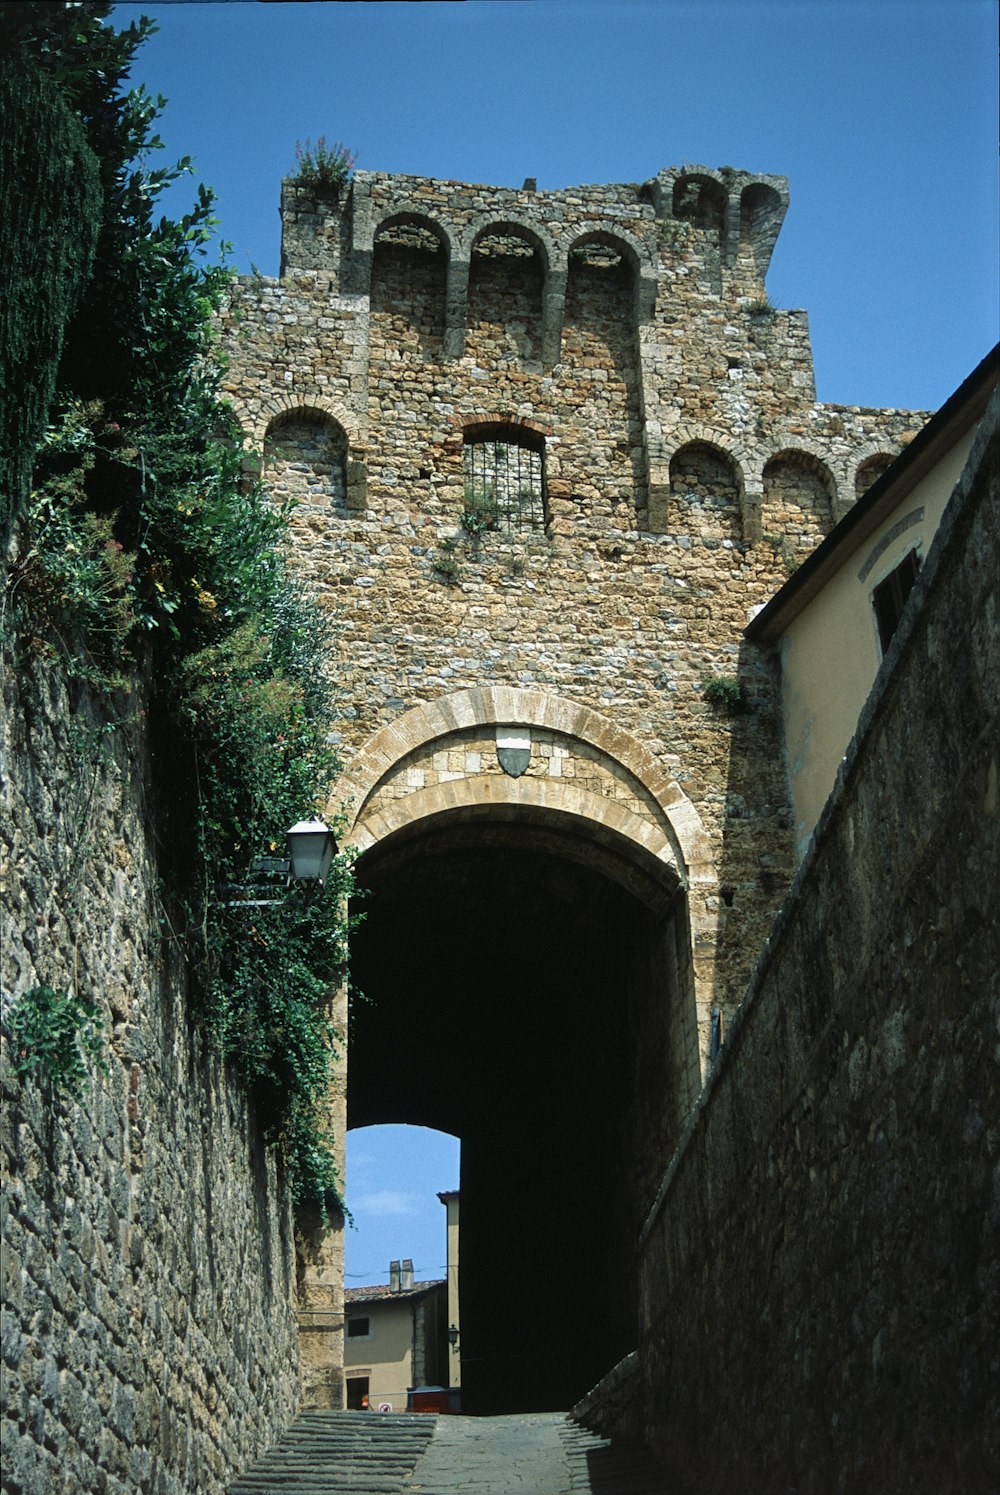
{"points": [[726, 220], [597, 369]]}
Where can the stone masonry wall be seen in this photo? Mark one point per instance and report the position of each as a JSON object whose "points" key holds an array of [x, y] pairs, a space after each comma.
{"points": [[625, 329], [821, 1272], [149, 1339]]}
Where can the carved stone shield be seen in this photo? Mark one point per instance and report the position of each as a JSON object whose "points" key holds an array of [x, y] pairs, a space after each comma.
{"points": [[513, 750]]}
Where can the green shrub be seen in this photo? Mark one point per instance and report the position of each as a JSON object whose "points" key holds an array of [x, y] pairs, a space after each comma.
{"points": [[50, 215], [761, 307], [325, 168], [725, 693], [55, 1033], [143, 547]]}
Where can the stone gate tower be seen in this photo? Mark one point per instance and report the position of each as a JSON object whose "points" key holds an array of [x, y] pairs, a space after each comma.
{"points": [[549, 451]]}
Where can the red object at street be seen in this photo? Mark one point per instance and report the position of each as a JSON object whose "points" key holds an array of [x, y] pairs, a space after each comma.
{"points": [[427, 1399]]}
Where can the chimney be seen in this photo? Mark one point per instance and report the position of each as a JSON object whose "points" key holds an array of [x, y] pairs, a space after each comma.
{"points": [[407, 1277], [394, 1276]]}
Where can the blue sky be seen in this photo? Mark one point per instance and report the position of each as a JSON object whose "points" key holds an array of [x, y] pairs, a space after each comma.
{"points": [[394, 1176], [882, 115]]}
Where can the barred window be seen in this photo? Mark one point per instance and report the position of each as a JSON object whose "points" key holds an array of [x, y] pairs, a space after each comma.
{"points": [[504, 470]]}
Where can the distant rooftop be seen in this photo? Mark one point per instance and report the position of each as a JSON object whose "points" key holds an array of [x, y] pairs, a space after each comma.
{"points": [[382, 1293]]}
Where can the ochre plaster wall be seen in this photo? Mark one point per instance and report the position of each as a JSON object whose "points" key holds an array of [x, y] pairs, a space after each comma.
{"points": [[830, 653]]}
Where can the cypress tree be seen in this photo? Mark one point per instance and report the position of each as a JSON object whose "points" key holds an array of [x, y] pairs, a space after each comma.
{"points": [[50, 218]]}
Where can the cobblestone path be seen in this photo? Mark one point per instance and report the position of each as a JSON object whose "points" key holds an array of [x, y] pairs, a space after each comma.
{"points": [[532, 1453]]}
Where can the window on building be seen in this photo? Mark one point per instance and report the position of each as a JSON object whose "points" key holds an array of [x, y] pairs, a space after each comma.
{"points": [[357, 1393], [358, 1327], [889, 597], [504, 472]]}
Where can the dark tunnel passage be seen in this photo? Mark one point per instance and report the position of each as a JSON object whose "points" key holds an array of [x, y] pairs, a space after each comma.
{"points": [[519, 996]]}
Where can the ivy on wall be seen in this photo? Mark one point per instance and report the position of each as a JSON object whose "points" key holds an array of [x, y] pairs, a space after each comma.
{"points": [[144, 560]]}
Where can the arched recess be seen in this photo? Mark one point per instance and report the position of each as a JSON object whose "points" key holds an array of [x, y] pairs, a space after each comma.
{"points": [[411, 261], [700, 199], [508, 281], [527, 954], [869, 470], [762, 212], [706, 492], [607, 285], [799, 502], [415, 229], [305, 461]]}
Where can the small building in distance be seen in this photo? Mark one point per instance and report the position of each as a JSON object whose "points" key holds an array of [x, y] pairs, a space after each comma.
{"points": [[394, 1340], [833, 621]]}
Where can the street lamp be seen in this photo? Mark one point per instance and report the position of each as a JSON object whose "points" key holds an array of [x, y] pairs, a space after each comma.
{"points": [[311, 848], [453, 1335]]}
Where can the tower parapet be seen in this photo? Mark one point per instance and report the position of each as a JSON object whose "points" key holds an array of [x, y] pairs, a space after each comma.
{"points": [[558, 440], [725, 220]]}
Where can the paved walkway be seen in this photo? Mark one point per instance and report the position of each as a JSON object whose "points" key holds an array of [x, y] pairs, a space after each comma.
{"points": [[370, 1453], [530, 1453]]}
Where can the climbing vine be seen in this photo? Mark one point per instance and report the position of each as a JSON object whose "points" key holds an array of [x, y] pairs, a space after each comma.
{"points": [[145, 560]]}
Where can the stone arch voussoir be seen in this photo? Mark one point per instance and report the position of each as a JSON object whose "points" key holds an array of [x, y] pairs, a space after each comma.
{"points": [[639, 254], [683, 843], [534, 233], [861, 456], [792, 446], [690, 433], [798, 446], [283, 406], [597, 820], [414, 218], [367, 232]]}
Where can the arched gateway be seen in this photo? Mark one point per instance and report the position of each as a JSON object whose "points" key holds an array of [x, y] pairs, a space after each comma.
{"points": [[542, 446], [533, 881]]}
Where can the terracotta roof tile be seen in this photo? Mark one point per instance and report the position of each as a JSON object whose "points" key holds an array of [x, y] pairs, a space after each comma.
{"points": [[383, 1294]]}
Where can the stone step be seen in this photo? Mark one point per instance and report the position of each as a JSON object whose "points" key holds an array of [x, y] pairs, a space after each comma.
{"points": [[340, 1453], [370, 1453], [604, 1466]]}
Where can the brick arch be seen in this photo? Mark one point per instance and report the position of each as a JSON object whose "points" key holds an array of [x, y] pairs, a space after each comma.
{"points": [[690, 432], [798, 446], [501, 417], [685, 844]]}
